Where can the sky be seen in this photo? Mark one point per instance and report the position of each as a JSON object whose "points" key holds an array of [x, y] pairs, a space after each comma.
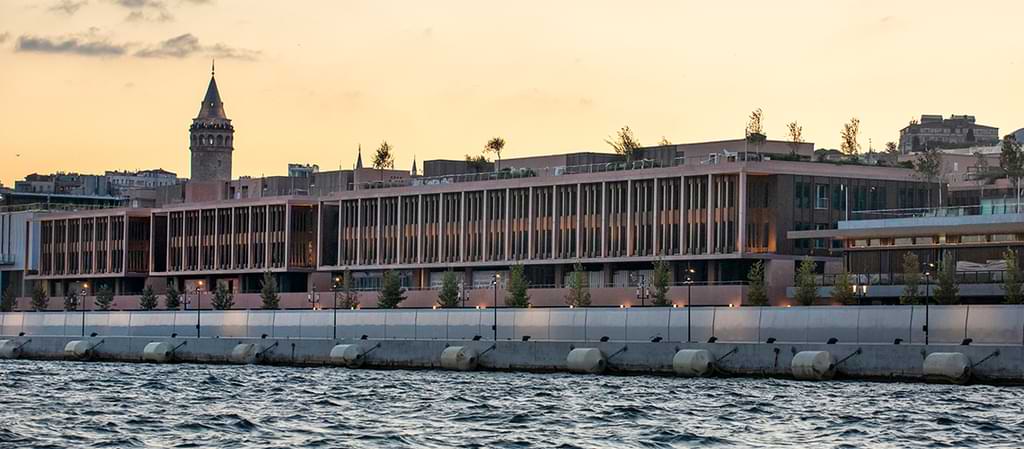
{"points": [[94, 85]]}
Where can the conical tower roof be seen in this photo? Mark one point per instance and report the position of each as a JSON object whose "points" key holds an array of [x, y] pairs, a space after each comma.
{"points": [[212, 106]]}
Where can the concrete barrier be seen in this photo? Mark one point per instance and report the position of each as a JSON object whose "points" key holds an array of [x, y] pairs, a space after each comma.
{"points": [[813, 365], [245, 353], [693, 362], [9, 349], [158, 351], [586, 360], [351, 356], [79, 349], [459, 358], [947, 367]]}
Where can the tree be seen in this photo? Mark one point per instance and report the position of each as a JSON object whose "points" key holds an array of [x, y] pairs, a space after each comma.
{"points": [[947, 289], [71, 300], [39, 300], [891, 149], [8, 299], [911, 279], [477, 163], [391, 292], [796, 136], [755, 129], [928, 168], [664, 141], [842, 290], [148, 300], [448, 296], [384, 158], [1012, 292], [516, 289], [104, 298], [757, 293], [806, 289], [269, 300], [659, 284], [849, 136], [625, 143], [579, 293], [222, 298], [349, 296], [172, 299], [495, 146], [1011, 162]]}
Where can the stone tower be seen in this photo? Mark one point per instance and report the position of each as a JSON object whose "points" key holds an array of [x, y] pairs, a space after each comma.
{"points": [[211, 138]]}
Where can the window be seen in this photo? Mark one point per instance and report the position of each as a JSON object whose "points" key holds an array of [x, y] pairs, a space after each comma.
{"points": [[821, 196]]}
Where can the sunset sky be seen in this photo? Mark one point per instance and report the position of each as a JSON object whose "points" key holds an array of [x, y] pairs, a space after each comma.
{"points": [[89, 85]]}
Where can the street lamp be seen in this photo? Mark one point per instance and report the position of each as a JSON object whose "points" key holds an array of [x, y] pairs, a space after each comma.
{"points": [[494, 282], [689, 310], [85, 289], [199, 304], [335, 286], [314, 298], [861, 291], [642, 292], [927, 298]]}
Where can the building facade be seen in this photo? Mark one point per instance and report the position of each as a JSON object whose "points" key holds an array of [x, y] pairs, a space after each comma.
{"points": [[934, 131]]}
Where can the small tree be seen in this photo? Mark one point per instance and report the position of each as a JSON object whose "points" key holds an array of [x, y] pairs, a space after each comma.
{"points": [[806, 289], [269, 299], [104, 298], [911, 279], [448, 296], [8, 299], [795, 133], [849, 135], [516, 289], [579, 293], [222, 298], [148, 300], [1011, 163], [1012, 293], [172, 299], [477, 163], [659, 284], [624, 143], [928, 168], [349, 296], [39, 300], [391, 292], [495, 146], [757, 293], [71, 300], [842, 290], [947, 289], [664, 141], [384, 158], [891, 149]]}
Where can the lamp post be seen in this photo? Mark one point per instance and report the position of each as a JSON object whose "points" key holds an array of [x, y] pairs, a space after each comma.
{"points": [[927, 298], [861, 291], [335, 286], [85, 289], [689, 310], [642, 291], [313, 298], [199, 305], [494, 282]]}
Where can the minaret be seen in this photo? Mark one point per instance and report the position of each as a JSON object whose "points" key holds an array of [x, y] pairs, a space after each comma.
{"points": [[211, 138], [359, 158], [413, 172]]}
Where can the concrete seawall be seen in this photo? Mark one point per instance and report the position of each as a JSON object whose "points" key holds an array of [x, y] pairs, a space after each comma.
{"points": [[992, 364], [979, 343]]}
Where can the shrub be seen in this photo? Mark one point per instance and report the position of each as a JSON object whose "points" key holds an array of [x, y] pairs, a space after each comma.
{"points": [[148, 300], [391, 292], [757, 293]]}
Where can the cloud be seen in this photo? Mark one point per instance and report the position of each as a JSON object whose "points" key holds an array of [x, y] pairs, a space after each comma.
{"points": [[145, 10], [88, 45], [188, 44], [68, 7]]}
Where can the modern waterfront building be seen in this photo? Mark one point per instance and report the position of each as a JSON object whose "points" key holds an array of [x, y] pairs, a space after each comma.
{"points": [[974, 237]]}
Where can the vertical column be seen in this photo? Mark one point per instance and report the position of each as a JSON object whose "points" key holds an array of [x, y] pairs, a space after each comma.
{"points": [[530, 224], [742, 205], [508, 224], [124, 244], [359, 231], [109, 245], [232, 241], [579, 220], [266, 236], [711, 206], [250, 235], [555, 224], [630, 235], [199, 239], [341, 226], [400, 235], [656, 223], [462, 226], [683, 203], [419, 227], [380, 230], [604, 219]]}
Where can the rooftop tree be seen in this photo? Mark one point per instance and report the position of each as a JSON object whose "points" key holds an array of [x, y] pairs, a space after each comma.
{"points": [[1011, 163], [384, 158], [795, 133], [755, 130], [849, 135], [624, 143], [495, 145], [928, 167]]}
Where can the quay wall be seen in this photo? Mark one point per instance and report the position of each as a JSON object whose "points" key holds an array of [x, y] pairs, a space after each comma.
{"points": [[634, 340]]}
